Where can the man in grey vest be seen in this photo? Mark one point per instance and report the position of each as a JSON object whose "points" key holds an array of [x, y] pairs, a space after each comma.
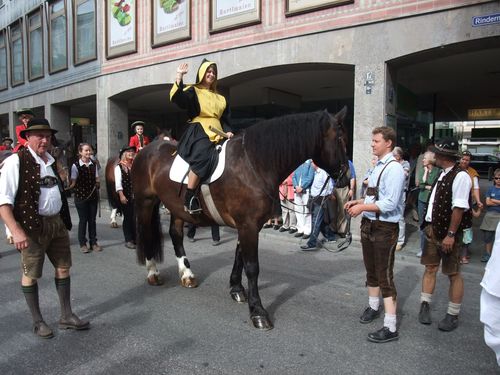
{"points": [[446, 216], [35, 210], [381, 209]]}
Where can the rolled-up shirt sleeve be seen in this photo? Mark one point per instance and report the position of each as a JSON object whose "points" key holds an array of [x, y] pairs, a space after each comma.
{"points": [[391, 188], [74, 172], [118, 179], [461, 188], [9, 180]]}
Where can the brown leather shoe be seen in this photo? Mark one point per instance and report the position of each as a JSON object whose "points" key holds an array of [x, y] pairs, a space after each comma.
{"points": [[42, 330], [84, 249], [74, 322]]}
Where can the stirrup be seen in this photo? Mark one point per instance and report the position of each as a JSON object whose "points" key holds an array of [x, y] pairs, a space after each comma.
{"points": [[194, 201]]}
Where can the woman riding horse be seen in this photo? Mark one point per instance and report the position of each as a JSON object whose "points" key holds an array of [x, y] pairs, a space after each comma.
{"points": [[208, 119]]}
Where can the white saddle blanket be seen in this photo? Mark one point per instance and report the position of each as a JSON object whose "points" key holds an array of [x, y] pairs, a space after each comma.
{"points": [[179, 169]]}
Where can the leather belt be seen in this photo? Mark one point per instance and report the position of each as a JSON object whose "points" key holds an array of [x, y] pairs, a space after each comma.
{"points": [[48, 182]]}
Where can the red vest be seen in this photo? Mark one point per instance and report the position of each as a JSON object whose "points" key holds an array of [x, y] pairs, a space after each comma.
{"points": [[21, 142]]}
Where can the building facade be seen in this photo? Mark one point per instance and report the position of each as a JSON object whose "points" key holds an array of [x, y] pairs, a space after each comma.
{"points": [[93, 67]]}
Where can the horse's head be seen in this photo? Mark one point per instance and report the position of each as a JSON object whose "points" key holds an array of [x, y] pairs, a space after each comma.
{"points": [[60, 155], [332, 156]]}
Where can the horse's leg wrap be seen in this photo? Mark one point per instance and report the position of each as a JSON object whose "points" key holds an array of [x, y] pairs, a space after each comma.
{"points": [[153, 278], [188, 279], [112, 217], [151, 268]]}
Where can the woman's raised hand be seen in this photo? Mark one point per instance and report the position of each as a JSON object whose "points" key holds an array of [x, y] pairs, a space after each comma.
{"points": [[182, 69]]}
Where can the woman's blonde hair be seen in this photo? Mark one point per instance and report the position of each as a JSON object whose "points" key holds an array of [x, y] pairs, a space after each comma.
{"points": [[429, 155]]}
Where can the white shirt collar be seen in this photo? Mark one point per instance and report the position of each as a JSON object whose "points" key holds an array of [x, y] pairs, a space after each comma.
{"points": [[39, 160], [80, 161]]}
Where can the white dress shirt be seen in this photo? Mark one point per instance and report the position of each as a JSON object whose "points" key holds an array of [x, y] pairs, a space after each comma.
{"points": [[460, 190], [320, 177]]}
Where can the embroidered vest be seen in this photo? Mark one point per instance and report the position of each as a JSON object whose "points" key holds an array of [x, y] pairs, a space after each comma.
{"points": [[85, 188], [441, 211], [126, 182], [28, 194]]}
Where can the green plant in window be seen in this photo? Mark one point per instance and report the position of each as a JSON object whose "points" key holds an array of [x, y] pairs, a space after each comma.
{"points": [[121, 11], [169, 6]]}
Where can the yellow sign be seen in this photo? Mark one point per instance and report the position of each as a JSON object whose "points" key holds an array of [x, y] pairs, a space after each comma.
{"points": [[82, 121], [484, 114]]}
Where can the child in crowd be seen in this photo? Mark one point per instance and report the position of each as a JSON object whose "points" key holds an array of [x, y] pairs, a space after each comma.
{"points": [[492, 216], [85, 182]]}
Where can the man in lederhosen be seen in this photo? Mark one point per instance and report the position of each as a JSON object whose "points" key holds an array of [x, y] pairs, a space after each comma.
{"points": [[448, 213], [34, 208], [381, 209]]}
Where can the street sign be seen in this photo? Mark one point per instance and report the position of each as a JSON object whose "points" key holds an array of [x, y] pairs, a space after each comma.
{"points": [[488, 19]]}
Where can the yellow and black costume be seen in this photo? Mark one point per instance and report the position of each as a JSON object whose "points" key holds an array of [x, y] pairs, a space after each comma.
{"points": [[205, 109]]}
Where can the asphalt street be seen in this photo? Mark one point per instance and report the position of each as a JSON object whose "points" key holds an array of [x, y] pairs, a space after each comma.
{"points": [[314, 299]]}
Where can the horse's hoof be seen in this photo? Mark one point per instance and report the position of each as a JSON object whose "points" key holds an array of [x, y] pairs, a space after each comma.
{"points": [[114, 225], [189, 282], [155, 280], [262, 322], [240, 297], [10, 240]]}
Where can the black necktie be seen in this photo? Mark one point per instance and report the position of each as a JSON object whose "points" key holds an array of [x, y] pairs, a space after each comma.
{"points": [[141, 141]]}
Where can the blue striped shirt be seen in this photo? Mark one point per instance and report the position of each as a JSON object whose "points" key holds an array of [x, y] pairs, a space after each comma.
{"points": [[390, 189]]}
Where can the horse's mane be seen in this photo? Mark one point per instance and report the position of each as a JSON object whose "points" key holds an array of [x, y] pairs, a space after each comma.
{"points": [[281, 139]]}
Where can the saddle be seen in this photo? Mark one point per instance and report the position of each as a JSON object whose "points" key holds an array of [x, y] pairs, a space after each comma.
{"points": [[179, 173], [180, 168]]}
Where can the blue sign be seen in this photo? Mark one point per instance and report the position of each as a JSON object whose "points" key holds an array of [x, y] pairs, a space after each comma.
{"points": [[488, 19]]}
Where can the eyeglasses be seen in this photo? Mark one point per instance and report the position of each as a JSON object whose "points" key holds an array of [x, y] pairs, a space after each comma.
{"points": [[497, 178]]}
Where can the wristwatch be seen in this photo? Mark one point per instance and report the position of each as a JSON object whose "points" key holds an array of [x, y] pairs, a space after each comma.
{"points": [[450, 234]]}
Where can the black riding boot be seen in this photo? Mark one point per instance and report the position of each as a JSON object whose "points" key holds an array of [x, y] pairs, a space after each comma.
{"points": [[191, 202], [40, 328], [68, 319]]}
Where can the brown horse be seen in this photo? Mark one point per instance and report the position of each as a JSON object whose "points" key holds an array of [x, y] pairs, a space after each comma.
{"points": [[246, 195]]}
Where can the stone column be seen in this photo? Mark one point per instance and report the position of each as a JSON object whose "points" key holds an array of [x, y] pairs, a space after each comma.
{"points": [[112, 127], [13, 120], [59, 118], [370, 92]]}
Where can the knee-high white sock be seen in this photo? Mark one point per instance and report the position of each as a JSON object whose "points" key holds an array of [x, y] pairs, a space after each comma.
{"points": [[374, 302], [390, 322], [425, 297], [454, 308]]}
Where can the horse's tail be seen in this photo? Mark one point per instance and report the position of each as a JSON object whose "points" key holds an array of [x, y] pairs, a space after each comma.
{"points": [[109, 173], [149, 238], [110, 192]]}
